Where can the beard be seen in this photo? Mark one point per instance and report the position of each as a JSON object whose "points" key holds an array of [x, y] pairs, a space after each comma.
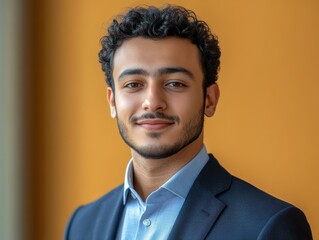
{"points": [[189, 133]]}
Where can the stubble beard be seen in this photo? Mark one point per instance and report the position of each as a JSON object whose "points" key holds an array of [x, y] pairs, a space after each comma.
{"points": [[190, 132]]}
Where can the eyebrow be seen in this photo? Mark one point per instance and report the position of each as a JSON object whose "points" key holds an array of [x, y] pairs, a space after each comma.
{"points": [[168, 70], [133, 71], [160, 72]]}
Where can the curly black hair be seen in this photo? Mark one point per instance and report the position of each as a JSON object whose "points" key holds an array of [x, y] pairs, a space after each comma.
{"points": [[156, 23]]}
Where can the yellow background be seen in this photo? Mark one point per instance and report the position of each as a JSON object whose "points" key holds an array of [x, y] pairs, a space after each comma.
{"points": [[265, 130]]}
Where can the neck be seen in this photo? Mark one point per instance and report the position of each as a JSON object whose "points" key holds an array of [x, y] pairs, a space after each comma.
{"points": [[150, 174]]}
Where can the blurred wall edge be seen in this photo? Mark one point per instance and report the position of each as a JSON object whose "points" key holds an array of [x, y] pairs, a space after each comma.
{"points": [[33, 31], [11, 194]]}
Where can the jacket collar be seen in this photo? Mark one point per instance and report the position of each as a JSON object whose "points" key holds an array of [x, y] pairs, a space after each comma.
{"points": [[109, 216], [202, 207]]}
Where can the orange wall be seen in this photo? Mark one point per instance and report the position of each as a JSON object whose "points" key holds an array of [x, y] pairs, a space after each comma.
{"points": [[265, 130]]}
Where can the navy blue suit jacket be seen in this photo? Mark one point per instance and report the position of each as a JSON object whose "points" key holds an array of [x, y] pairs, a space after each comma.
{"points": [[219, 206]]}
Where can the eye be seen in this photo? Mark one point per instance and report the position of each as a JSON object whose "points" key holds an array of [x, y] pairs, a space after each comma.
{"points": [[133, 85], [175, 85]]}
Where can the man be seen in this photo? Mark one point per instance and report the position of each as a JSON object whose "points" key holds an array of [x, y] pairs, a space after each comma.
{"points": [[161, 66]]}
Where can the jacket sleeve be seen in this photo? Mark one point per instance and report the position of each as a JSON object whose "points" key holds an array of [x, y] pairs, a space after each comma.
{"points": [[289, 224]]}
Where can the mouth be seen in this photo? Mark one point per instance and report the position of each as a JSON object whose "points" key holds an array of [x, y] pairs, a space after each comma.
{"points": [[154, 124]]}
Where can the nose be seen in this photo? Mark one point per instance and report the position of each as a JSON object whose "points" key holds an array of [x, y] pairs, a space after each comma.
{"points": [[154, 99]]}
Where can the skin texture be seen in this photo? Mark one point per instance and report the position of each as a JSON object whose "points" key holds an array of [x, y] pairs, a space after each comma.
{"points": [[159, 105]]}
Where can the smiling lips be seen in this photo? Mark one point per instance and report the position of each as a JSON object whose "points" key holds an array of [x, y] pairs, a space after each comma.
{"points": [[154, 124]]}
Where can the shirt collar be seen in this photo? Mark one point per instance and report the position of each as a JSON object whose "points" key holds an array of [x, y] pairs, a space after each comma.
{"points": [[180, 183], [128, 182]]}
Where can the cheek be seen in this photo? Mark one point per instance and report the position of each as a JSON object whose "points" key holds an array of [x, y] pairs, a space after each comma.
{"points": [[187, 108], [190, 103], [126, 105]]}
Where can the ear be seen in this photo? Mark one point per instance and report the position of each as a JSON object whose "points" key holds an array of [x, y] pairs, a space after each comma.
{"points": [[211, 100], [111, 100]]}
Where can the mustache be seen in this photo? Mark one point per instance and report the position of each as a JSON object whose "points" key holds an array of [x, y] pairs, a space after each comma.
{"points": [[155, 115]]}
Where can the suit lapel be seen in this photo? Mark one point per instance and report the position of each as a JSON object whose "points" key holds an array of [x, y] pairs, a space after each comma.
{"points": [[201, 207], [109, 217]]}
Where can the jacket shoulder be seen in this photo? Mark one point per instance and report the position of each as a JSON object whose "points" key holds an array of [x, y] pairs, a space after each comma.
{"points": [[250, 212], [255, 213], [83, 220], [289, 223], [109, 198]]}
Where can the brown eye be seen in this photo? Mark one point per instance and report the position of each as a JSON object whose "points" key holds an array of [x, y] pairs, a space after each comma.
{"points": [[175, 85], [133, 85]]}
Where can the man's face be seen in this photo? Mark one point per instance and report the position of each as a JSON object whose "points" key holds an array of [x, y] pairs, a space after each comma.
{"points": [[158, 99]]}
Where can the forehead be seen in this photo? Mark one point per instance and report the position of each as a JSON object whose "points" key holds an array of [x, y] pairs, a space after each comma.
{"points": [[150, 54]]}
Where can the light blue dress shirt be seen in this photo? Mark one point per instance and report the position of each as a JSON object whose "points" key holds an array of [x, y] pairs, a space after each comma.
{"points": [[154, 218]]}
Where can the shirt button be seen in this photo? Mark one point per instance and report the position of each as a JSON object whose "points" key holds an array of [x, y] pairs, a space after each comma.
{"points": [[147, 222]]}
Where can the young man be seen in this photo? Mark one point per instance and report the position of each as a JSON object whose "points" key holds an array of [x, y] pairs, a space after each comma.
{"points": [[161, 66]]}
